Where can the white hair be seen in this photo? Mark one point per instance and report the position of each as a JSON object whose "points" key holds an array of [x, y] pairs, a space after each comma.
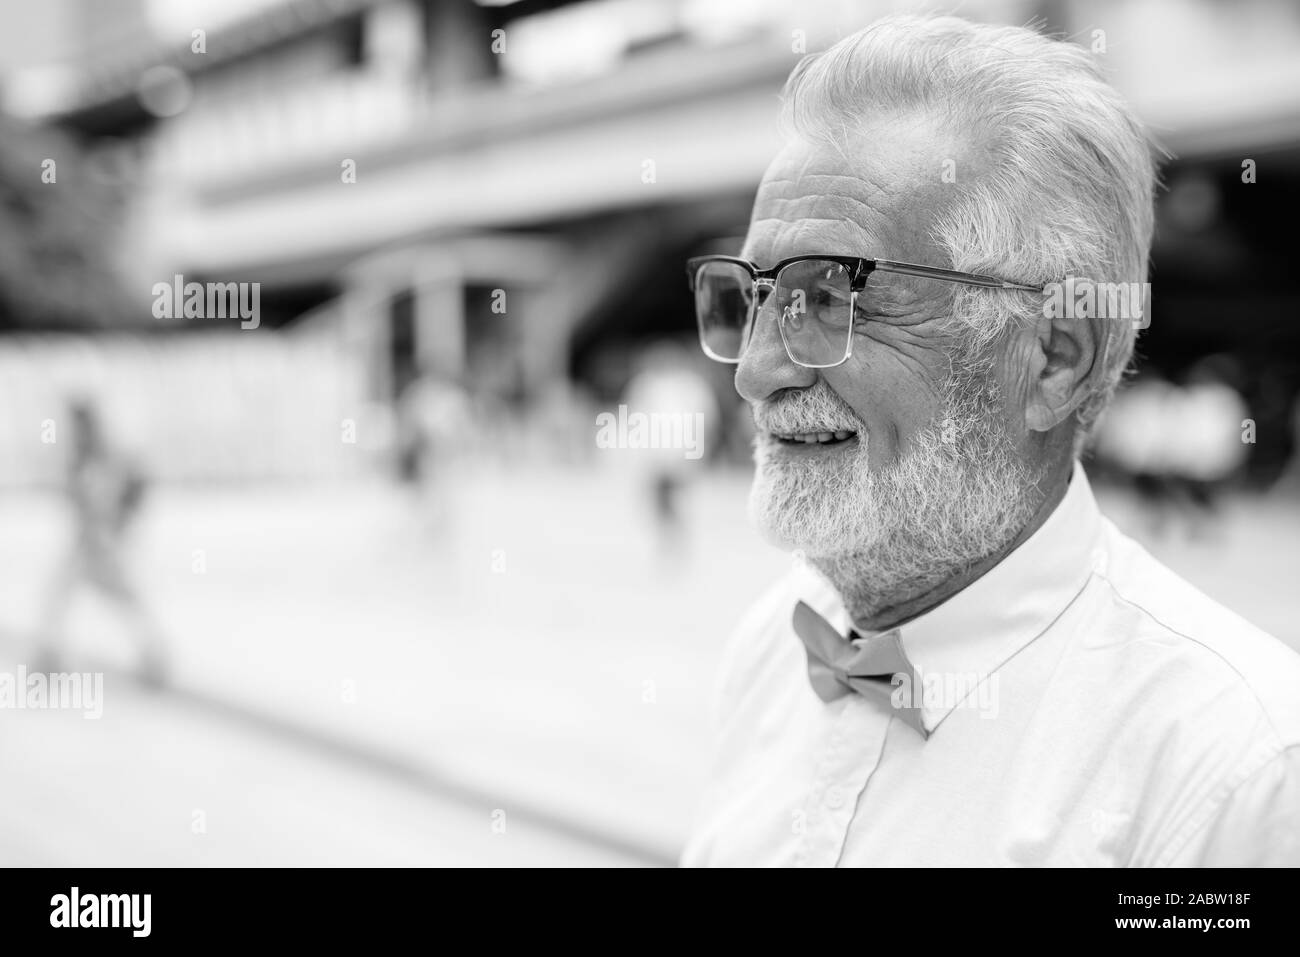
{"points": [[1070, 187]]}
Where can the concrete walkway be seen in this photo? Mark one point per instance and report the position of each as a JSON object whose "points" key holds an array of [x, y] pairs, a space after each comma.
{"points": [[356, 683]]}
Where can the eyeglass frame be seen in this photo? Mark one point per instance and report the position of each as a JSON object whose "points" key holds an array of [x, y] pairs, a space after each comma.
{"points": [[859, 269]]}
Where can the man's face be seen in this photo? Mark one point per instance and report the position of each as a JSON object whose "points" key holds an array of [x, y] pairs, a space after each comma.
{"points": [[814, 201], [929, 471]]}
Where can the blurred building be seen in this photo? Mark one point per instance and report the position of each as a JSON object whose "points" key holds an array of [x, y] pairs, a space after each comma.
{"points": [[508, 189]]}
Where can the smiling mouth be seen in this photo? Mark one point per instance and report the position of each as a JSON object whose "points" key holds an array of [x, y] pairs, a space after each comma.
{"points": [[814, 438]]}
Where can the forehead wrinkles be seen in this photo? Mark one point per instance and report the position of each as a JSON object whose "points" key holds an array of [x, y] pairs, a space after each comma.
{"points": [[883, 183], [887, 213], [853, 192], [813, 211]]}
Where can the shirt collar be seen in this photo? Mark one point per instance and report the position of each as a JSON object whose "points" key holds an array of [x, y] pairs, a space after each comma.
{"points": [[967, 637]]}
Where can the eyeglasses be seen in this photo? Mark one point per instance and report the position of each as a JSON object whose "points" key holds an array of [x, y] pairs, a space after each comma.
{"points": [[815, 298]]}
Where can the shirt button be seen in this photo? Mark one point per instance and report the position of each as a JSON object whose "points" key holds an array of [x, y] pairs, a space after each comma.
{"points": [[834, 797]]}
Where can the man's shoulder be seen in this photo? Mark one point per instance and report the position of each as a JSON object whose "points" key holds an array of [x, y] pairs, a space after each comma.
{"points": [[1188, 639], [763, 648]]}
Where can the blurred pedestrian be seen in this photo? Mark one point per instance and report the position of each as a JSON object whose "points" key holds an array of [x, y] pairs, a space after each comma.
{"points": [[105, 489], [669, 387], [1133, 440], [435, 420], [1204, 442]]}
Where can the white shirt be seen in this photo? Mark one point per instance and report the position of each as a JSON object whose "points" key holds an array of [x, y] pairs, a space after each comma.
{"points": [[1118, 717]]}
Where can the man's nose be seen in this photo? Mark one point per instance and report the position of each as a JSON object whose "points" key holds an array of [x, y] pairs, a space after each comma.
{"points": [[765, 367]]}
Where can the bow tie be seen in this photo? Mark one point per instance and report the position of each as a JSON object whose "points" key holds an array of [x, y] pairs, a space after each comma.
{"points": [[838, 666]]}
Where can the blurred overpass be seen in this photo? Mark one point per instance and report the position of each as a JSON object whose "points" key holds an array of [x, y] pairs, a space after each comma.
{"points": [[399, 158]]}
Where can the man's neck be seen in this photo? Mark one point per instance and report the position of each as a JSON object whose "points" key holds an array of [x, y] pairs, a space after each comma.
{"points": [[893, 613]]}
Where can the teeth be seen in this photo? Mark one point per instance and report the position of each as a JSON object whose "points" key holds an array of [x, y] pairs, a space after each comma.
{"points": [[813, 438]]}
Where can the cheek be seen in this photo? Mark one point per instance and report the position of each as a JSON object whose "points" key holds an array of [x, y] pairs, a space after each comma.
{"points": [[894, 403], [1015, 372]]}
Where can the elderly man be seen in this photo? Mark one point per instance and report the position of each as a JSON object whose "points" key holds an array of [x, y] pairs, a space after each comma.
{"points": [[968, 665]]}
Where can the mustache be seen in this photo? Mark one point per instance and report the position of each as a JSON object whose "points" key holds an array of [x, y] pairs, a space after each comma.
{"points": [[817, 409]]}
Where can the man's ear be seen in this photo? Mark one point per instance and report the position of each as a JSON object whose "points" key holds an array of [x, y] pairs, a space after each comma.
{"points": [[1063, 368]]}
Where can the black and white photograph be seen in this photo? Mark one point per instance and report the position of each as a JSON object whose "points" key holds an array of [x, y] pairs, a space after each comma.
{"points": [[649, 434]]}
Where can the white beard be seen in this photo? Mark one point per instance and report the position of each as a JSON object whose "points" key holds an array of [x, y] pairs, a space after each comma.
{"points": [[960, 494]]}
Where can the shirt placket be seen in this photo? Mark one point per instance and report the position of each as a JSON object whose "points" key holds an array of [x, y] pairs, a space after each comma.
{"points": [[849, 758]]}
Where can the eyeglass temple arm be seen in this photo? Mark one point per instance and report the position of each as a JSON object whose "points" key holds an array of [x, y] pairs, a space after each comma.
{"points": [[952, 275]]}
